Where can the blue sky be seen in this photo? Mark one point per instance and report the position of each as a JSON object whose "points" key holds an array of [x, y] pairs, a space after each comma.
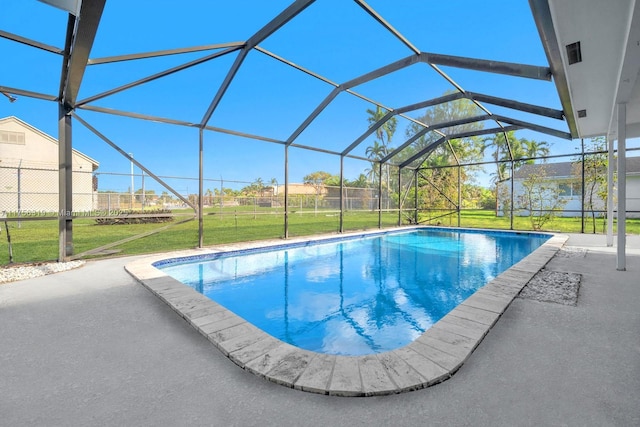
{"points": [[334, 38]]}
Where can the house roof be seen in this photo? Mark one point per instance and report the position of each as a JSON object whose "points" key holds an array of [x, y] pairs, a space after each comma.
{"points": [[564, 169], [94, 163]]}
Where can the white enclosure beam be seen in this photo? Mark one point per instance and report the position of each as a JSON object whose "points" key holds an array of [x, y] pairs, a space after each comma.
{"points": [[610, 167], [622, 186]]}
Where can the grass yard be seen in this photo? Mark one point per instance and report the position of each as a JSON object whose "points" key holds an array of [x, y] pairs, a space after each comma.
{"points": [[35, 241], [487, 219]]}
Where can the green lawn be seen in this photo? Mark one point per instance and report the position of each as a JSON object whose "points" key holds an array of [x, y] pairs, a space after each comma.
{"points": [[34, 241]]}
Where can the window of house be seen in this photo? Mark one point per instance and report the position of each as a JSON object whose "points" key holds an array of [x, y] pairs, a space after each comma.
{"points": [[8, 137], [570, 189]]}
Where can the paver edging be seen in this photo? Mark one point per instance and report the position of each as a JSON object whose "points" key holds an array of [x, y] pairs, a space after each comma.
{"points": [[236, 334]]}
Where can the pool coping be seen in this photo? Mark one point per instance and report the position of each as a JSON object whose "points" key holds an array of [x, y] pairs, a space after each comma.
{"points": [[432, 358]]}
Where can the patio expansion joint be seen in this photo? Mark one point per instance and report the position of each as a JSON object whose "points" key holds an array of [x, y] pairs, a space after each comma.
{"points": [[432, 358]]}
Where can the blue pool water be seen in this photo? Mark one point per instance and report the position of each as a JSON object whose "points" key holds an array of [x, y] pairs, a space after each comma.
{"points": [[355, 296]]}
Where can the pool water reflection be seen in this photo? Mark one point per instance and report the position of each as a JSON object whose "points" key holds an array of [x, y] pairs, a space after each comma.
{"points": [[356, 296]]}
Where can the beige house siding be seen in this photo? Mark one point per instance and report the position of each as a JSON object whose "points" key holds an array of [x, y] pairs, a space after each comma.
{"points": [[29, 171], [302, 189]]}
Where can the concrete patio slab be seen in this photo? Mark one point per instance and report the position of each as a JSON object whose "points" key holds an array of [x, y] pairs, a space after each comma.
{"points": [[92, 347]]}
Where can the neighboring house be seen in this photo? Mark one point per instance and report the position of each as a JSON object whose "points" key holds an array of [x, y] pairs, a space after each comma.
{"points": [[567, 177], [29, 171], [354, 198], [296, 189]]}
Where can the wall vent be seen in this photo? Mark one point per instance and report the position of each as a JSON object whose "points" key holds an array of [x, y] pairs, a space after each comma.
{"points": [[574, 54], [582, 113], [8, 137]]}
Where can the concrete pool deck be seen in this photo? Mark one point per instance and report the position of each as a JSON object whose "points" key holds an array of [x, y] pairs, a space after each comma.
{"points": [[432, 358], [93, 347]]}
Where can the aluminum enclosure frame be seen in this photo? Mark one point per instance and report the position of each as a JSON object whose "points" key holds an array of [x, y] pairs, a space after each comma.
{"points": [[81, 32]]}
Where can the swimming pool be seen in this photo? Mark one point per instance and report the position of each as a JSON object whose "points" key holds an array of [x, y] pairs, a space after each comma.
{"points": [[356, 296], [431, 358]]}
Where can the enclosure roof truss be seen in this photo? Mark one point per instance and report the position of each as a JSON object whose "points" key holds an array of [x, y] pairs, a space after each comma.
{"points": [[81, 32]]}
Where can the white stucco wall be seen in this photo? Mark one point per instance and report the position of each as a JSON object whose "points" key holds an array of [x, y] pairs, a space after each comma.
{"points": [[633, 196], [573, 205]]}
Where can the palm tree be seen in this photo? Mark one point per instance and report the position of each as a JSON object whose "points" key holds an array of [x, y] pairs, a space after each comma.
{"points": [[360, 182], [259, 186], [384, 134], [523, 151], [534, 148], [209, 196], [385, 131], [377, 151]]}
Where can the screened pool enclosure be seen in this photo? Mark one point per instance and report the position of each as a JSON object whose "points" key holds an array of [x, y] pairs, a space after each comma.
{"points": [[294, 76]]}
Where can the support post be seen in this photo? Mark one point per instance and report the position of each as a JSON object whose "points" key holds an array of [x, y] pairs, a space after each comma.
{"points": [[131, 189], [622, 186], [582, 189], [610, 164], [416, 195], [286, 191], [19, 193], [513, 170], [380, 195], [341, 194], [399, 196], [200, 189], [459, 194], [65, 185]]}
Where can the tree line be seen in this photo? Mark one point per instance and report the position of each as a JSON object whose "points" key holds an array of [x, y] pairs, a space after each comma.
{"points": [[439, 181]]}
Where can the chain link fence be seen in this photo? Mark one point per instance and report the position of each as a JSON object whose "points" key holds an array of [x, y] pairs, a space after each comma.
{"points": [[557, 188], [528, 197], [34, 192]]}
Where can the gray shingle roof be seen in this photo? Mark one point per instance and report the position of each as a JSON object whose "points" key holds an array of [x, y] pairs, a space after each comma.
{"points": [[564, 169]]}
